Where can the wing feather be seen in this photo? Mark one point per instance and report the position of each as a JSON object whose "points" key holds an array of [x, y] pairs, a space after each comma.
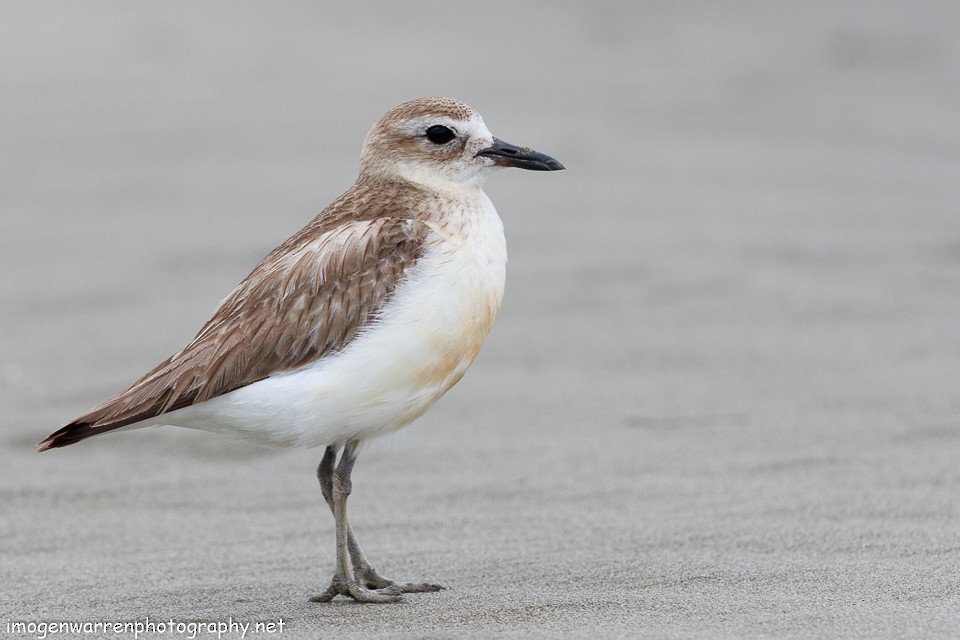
{"points": [[309, 298]]}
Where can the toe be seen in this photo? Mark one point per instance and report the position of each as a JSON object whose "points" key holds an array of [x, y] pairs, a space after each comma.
{"points": [[362, 594], [323, 597], [371, 579], [418, 587]]}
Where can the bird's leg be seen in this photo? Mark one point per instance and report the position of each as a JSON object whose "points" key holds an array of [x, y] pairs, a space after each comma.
{"points": [[363, 571], [325, 474], [344, 581]]}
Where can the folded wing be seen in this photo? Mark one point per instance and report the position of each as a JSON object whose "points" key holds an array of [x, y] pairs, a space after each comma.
{"points": [[309, 298]]}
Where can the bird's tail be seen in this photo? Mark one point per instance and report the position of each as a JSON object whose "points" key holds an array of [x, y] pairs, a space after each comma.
{"points": [[73, 432]]}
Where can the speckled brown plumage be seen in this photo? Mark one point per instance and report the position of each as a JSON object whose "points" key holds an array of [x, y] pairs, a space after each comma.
{"points": [[309, 297], [428, 107]]}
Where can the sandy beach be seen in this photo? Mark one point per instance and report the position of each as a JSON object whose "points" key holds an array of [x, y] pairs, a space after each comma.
{"points": [[721, 399]]}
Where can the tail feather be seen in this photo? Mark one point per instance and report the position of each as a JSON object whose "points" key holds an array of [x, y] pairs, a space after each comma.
{"points": [[72, 433], [113, 414]]}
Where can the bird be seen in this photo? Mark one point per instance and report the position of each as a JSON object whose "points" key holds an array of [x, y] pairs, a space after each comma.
{"points": [[355, 325]]}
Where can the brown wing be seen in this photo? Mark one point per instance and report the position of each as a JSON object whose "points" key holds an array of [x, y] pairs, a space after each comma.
{"points": [[306, 299]]}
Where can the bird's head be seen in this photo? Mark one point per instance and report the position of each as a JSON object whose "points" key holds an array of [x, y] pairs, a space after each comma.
{"points": [[441, 142]]}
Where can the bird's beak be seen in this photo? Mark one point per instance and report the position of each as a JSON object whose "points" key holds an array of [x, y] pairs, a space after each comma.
{"points": [[510, 155]]}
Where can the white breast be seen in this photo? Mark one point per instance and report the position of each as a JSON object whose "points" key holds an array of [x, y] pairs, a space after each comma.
{"points": [[427, 335]]}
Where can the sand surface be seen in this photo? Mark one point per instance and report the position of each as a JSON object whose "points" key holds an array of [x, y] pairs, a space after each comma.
{"points": [[721, 400]]}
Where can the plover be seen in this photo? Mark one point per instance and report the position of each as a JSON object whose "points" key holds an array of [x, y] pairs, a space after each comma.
{"points": [[355, 325]]}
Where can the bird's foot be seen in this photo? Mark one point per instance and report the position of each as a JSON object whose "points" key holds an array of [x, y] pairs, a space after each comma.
{"points": [[371, 579], [341, 586]]}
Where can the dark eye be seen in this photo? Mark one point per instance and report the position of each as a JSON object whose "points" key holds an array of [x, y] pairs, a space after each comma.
{"points": [[439, 134]]}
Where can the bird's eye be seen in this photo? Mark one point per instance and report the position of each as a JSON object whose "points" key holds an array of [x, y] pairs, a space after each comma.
{"points": [[439, 134]]}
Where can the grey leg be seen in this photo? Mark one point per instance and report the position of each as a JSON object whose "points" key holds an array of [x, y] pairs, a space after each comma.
{"points": [[344, 581], [359, 581], [361, 567]]}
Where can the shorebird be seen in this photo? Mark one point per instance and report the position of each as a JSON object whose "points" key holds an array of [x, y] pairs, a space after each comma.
{"points": [[356, 324]]}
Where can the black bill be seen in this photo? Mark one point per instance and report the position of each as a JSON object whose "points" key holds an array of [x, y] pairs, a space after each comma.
{"points": [[510, 155]]}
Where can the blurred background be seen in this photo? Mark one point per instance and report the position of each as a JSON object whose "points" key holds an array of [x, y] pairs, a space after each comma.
{"points": [[721, 397]]}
